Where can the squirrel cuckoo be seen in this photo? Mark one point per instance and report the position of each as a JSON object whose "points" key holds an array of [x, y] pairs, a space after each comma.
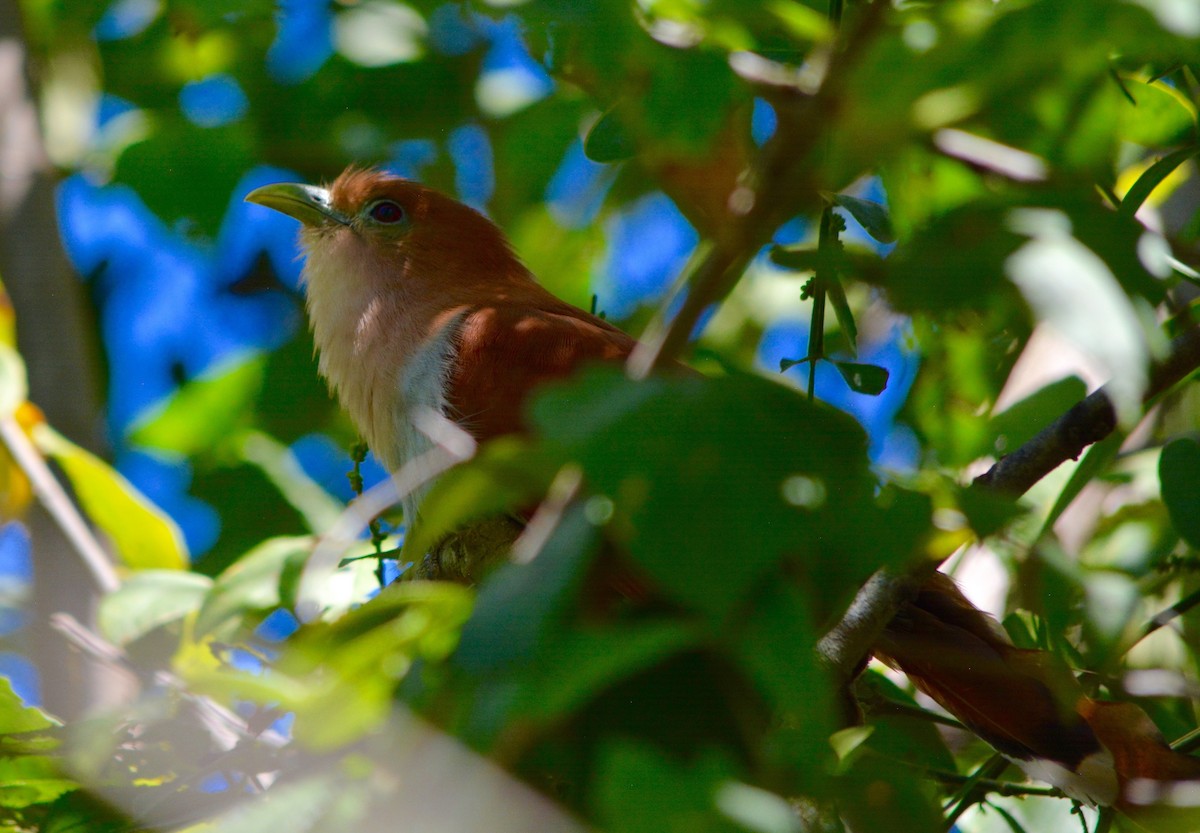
{"points": [[416, 300]]}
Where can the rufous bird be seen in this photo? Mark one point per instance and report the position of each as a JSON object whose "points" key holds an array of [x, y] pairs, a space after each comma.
{"points": [[419, 301]]}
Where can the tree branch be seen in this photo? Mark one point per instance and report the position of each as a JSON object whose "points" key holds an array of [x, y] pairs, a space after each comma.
{"points": [[1088, 422], [844, 648]]}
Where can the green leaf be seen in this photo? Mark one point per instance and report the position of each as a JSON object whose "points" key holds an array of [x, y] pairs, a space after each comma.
{"points": [[519, 605], [836, 293], [16, 717], [205, 411], [864, 378], [1009, 819], [955, 262], [1159, 114], [775, 642], [901, 736], [1095, 459], [1179, 476], [579, 665], [150, 599], [872, 216], [686, 476], [640, 790], [259, 581], [216, 158], [609, 140], [143, 535], [1152, 177], [32, 779]]}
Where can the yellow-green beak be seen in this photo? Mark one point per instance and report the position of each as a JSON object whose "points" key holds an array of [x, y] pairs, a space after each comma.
{"points": [[307, 203]]}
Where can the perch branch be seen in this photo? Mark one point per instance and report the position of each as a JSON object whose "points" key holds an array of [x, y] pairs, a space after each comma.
{"points": [[845, 646]]}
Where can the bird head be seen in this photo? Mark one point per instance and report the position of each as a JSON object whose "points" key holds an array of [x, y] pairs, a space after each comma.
{"points": [[372, 223], [392, 268]]}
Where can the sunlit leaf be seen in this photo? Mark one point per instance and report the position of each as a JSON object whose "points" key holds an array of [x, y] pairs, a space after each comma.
{"points": [[143, 535], [18, 718], [32, 780]]}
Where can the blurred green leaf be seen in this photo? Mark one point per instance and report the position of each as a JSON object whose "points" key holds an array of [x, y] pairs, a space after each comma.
{"points": [[1179, 476], [150, 599], [902, 736], [205, 412], [578, 665], [640, 790], [519, 606], [608, 140], [956, 261], [195, 185], [1160, 114], [143, 535], [318, 508], [260, 581], [32, 780], [16, 718], [802, 21]]}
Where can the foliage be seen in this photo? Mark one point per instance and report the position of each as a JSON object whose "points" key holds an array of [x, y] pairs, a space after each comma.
{"points": [[957, 181]]}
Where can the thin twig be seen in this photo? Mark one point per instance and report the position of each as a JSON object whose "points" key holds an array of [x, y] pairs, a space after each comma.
{"points": [[777, 188], [52, 495]]}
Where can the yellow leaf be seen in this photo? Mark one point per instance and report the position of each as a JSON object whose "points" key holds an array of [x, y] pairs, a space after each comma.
{"points": [[8, 319], [143, 535]]}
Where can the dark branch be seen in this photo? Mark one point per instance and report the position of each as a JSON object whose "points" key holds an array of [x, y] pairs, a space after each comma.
{"points": [[846, 646], [1088, 422]]}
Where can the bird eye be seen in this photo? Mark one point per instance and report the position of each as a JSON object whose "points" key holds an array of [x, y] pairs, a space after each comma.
{"points": [[386, 212]]}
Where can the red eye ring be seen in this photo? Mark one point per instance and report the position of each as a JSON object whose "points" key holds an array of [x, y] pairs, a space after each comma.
{"points": [[386, 212]]}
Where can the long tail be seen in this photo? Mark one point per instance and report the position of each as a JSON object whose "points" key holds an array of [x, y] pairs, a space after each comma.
{"points": [[1027, 707]]}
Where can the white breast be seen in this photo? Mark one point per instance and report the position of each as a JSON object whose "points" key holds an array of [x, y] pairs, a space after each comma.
{"points": [[423, 385]]}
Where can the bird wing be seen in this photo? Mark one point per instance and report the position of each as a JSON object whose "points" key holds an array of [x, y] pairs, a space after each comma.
{"points": [[507, 350]]}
